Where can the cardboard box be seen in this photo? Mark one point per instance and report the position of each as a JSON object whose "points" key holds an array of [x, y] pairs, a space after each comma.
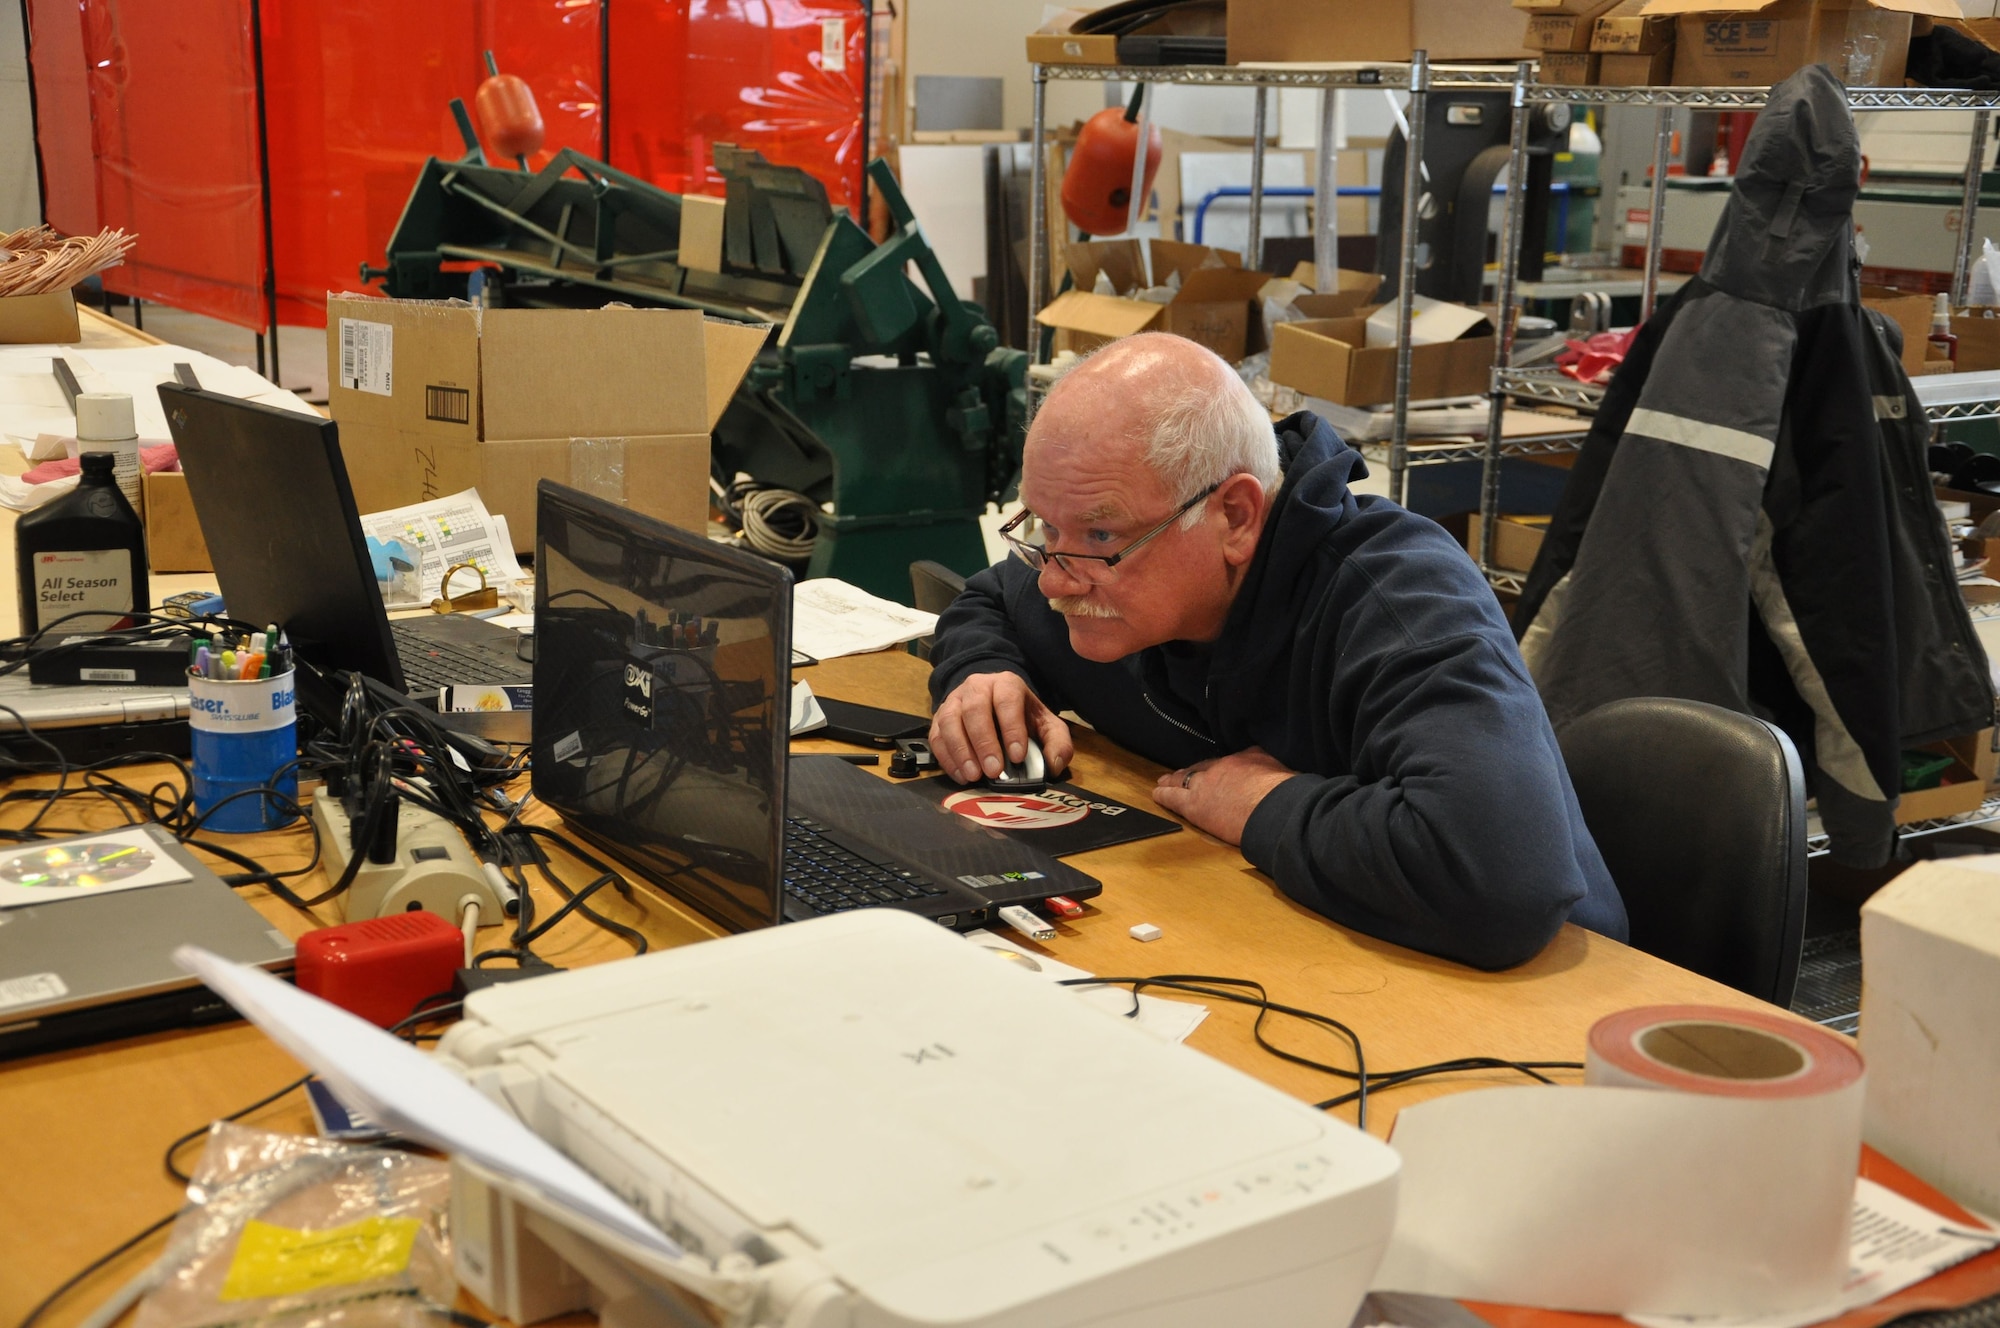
{"points": [[33, 320], [1544, 7], [433, 397], [1055, 43], [1735, 43], [1516, 540], [1930, 1000], [701, 232], [1963, 787], [174, 540], [1331, 358], [1213, 305], [1636, 71], [1384, 30], [1569, 69], [1627, 29], [1566, 31]]}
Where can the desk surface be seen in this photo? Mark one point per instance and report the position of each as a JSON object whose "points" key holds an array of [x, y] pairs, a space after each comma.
{"points": [[84, 1130]]}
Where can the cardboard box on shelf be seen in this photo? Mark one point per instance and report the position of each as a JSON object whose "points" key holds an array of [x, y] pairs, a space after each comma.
{"points": [[701, 233], [1384, 30], [1351, 291], [1213, 305], [1056, 42], [1627, 29], [174, 540], [1911, 314], [1636, 71], [1331, 358], [1964, 785], [1569, 69], [34, 320], [433, 397], [1570, 30], [1542, 7], [1735, 43], [1516, 540]]}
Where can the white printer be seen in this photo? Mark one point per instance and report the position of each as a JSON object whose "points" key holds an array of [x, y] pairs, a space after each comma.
{"points": [[865, 1121]]}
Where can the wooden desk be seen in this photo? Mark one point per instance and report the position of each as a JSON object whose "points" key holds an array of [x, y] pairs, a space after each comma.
{"points": [[83, 1131]]}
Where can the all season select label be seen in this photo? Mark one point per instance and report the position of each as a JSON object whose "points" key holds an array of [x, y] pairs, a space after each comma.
{"points": [[75, 580]]}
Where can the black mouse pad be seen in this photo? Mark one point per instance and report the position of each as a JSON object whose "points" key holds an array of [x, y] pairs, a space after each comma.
{"points": [[1060, 820]]}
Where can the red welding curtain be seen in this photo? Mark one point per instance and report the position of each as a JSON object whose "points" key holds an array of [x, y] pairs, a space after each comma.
{"points": [[147, 118], [787, 77]]}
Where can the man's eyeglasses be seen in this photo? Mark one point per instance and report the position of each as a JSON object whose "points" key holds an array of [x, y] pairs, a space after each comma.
{"points": [[1094, 567]]}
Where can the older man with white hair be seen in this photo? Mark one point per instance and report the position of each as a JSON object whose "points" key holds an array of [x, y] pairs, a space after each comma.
{"points": [[1327, 676]]}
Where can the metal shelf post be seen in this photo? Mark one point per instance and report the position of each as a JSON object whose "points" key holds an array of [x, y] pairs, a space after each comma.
{"points": [[1512, 242], [1406, 261]]}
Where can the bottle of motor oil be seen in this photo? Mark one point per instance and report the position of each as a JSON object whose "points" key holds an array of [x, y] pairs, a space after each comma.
{"points": [[84, 551]]}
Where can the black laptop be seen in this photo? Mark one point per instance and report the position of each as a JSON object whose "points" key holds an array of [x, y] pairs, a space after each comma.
{"points": [[271, 491], [661, 732]]}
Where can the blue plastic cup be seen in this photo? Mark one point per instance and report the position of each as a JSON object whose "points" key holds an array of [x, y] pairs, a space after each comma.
{"points": [[241, 734]]}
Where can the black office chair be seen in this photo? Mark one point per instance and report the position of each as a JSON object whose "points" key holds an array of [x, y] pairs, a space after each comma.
{"points": [[933, 587], [1701, 815]]}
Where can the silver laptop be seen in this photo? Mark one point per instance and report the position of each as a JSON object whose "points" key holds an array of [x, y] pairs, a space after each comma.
{"points": [[83, 970], [60, 706]]}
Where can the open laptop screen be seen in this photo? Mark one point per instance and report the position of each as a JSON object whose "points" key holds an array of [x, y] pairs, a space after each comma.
{"points": [[662, 700]]}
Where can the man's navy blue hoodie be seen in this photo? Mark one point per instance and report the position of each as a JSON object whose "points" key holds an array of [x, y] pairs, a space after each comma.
{"points": [[1364, 649]]}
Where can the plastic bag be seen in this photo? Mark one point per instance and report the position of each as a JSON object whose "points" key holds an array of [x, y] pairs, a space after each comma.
{"points": [[1984, 288], [305, 1233]]}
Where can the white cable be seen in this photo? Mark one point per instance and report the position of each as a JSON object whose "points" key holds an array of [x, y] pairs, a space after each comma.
{"points": [[468, 922], [126, 1296]]}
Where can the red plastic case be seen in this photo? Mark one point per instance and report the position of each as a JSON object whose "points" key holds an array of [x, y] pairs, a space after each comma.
{"points": [[379, 969]]}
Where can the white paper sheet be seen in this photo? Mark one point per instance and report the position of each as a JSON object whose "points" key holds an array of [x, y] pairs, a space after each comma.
{"points": [[1897, 1243], [1626, 1200], [411, 1095], [831, 618], [806, 714], [31, 403], [1170, 1021], [446, 531], [91, 865]]}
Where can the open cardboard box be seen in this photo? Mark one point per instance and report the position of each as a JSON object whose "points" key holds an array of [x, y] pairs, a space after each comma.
{"points": [[1213, 306], [1974, 764], [433, 397], [36, 320], [1331, 358], [1517, 540], [1735, 43], [174, 542]]}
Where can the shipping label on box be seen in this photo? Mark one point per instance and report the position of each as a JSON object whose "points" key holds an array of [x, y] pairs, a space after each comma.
{"points": [[1570, 69], [1569, 31], [1626, 29]]}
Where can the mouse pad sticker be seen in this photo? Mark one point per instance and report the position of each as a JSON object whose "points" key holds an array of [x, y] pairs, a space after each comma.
{"points": [[1060, 820]]}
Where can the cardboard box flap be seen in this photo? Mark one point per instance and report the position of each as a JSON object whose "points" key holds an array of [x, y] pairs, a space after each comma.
{"points": [[1431, 322], [1216, 284], [1173, 256], [1098, 315], [1120, 260], [1934, 8], [579, 373], [730, 350]]}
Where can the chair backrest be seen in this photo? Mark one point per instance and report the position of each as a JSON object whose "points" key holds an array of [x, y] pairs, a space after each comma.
{"points": [[933, 587], [1700, 813]]}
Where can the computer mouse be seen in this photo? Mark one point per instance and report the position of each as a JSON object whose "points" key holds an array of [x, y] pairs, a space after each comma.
{"points": [[1029, 775]]}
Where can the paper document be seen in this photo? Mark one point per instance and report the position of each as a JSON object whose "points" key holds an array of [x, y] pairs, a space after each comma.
{"points": [[1170, 1021], [806, 714], [408, 1094], [1897, 1243], [442, 533], [831, 618], [32, 404]]}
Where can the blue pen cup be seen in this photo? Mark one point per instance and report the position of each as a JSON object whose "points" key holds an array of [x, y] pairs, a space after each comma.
{"points": [[241, 734]]}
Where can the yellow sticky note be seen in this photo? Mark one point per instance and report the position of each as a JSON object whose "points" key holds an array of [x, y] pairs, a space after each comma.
{"points": [[278, 1261]]}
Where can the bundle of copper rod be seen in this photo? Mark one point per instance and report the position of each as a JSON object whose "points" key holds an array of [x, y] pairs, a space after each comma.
{"points": [[36, 259]]}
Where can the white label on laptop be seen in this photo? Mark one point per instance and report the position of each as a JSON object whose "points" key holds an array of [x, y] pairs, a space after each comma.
{"points": [[77, 579], [108, 675], [32, 989], [569, 747], [367, 356]]}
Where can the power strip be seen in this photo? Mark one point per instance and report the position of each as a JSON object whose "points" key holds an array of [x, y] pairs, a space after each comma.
{"points": [[434, 868]]}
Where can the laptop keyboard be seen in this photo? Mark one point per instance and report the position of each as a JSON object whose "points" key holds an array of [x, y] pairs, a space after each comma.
{"points": [[429, 663], [829, 878]]}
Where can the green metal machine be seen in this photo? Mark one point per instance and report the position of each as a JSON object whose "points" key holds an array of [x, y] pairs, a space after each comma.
{"points": [[891, 405]]}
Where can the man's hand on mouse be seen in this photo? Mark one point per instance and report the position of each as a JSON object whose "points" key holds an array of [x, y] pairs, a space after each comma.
{"points": [[987, 721], [1219, 795]]}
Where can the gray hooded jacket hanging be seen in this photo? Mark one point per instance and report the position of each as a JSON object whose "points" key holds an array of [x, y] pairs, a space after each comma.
{"points": [[1750, 521]]}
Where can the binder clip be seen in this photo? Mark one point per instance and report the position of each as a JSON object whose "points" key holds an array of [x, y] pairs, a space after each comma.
{"points": [[472, 601]]}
